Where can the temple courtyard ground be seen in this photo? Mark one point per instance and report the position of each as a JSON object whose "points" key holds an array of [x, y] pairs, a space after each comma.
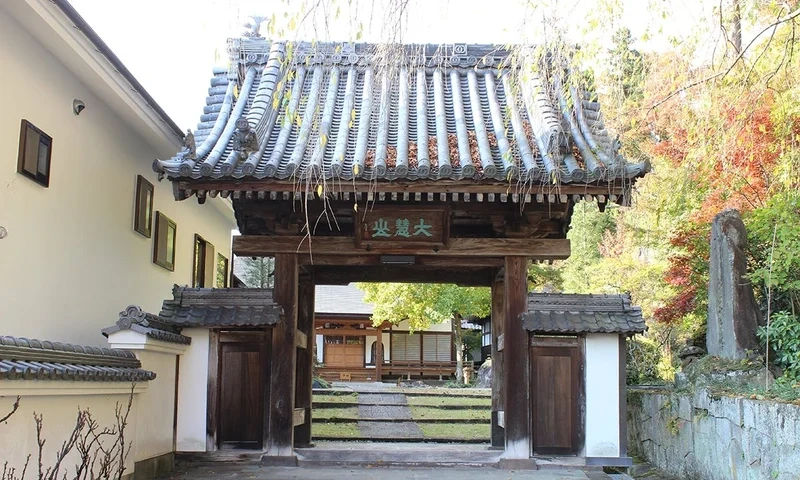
{"points": [[231, 472]]}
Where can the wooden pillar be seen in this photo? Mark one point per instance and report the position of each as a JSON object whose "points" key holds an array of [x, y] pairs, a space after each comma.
{"points": [[516, 378], [282, 374], [305, 359], [379, 356], [498, 326]]}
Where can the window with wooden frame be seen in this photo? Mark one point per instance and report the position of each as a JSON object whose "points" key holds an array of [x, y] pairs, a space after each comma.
{"points": [[143, 207], [222, 271], [166, 231], [35, 148], [204, 268]]}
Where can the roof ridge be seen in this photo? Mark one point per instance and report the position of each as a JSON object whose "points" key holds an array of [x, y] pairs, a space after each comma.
{"points": [[8, 342]]}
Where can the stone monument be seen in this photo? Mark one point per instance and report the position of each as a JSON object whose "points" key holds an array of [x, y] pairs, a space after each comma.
{"points": [[733, 315]]}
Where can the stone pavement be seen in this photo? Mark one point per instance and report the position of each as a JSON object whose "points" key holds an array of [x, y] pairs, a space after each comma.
{"points": [[386, 406], [237, 472]]}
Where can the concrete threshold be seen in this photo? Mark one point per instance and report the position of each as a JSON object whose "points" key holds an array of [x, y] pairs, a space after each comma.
{"points": [[410, 454], [486, 421], [420, 440]]}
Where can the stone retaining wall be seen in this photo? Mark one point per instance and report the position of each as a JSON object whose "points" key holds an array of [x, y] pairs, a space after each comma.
{"points": [[699, 436]]}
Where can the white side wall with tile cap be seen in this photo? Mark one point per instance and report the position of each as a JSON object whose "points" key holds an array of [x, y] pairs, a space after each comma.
{"points": [[193, 392], [602, 395], [156, 418]]}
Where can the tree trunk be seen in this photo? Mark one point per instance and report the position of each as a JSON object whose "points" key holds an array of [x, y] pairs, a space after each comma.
{"points": [[458, 340], [736, 27]]}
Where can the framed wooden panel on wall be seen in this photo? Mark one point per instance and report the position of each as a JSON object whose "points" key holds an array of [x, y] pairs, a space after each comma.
{"points": [[222, 271], [143, 207], [166, 231]]}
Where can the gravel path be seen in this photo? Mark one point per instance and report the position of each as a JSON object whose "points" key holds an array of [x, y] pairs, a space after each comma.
{"points": [[373, 405]]}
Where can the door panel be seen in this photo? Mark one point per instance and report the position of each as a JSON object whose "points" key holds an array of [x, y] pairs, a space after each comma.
{"points": [[241, 395], [344, 355], [555, 399]]}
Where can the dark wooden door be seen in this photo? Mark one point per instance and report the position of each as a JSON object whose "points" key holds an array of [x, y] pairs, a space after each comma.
{"points": [[556, 387], [241, 391]]}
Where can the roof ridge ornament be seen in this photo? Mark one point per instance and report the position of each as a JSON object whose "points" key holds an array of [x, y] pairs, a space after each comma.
{"points": [[254, 26], [190, 145], [245, 141]]}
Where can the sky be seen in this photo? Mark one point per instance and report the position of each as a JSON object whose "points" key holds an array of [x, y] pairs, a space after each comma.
{"points": [[170, 46]]}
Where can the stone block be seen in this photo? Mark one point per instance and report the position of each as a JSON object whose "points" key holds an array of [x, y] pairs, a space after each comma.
{"points": [[733, 315]]}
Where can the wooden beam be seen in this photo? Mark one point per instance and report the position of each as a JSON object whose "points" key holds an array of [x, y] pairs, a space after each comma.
{"points": [[280, 438], [467, 277], [301, 339], [362, 259], [299, 417], [498, 324], [535, 248], [305, 359], [515, 355]]}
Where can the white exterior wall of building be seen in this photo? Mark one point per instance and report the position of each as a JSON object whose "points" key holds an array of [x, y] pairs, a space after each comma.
{"points": [[602, 395], [193, 392], [58, 403], [71, 260], [320, 347]]}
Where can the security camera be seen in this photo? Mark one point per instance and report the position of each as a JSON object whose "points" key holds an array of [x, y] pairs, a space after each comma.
{"points": [[78, 106]]}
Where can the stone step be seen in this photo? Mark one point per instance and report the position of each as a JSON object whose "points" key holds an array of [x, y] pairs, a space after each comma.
{"points": [[418, 420], [319, 404], [393, 455]]}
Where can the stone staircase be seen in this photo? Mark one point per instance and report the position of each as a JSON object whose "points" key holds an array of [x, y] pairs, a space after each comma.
{"points": [[401, 415]]}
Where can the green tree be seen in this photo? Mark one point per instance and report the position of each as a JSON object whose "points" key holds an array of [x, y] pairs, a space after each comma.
{"points": [[424, 305], [259, 272]]}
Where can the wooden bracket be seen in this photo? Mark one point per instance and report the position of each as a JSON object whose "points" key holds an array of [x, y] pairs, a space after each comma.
{"points": [[299, 416], [301, 339]]}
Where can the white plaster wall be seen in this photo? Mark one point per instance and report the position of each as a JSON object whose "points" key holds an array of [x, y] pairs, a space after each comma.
{"points": [[58, 402], [192, 393], [387, 347], [602, 395], [156, 413], [71, 260], [439, 327], [320, 348], [368, 348]]}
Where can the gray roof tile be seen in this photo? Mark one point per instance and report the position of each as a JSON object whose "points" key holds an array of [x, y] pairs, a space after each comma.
{"points": [[134, 318], [29, 359], [220, 307], [341, 299], [579, 313], [444, 112]]}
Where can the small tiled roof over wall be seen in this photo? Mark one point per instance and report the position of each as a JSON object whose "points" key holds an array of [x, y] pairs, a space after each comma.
{"points": [[28, 359], [135, 319], [556, 313], [430, 112], [220, 307]]}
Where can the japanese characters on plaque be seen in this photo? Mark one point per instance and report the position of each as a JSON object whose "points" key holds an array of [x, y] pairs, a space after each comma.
{"points": [[404, 226]]}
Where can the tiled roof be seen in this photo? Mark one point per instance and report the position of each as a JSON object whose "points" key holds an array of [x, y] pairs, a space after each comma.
{"points": [[220, 307], [341, 299], [343, 110], [579, 313], [28, 359], [134, 318]]}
